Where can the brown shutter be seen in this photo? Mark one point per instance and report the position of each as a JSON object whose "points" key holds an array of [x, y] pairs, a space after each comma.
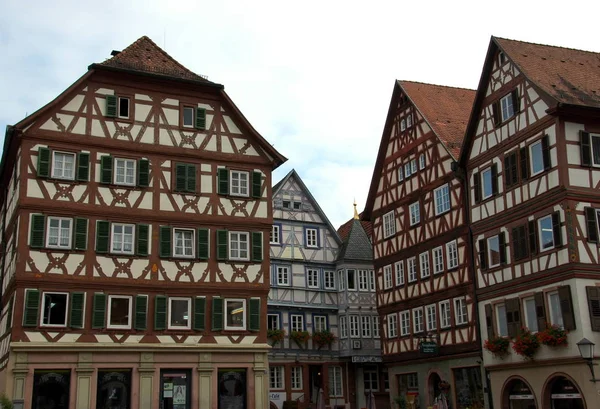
{"points": [[489, 321], [482, 254], [566, 307], [586, 148], [494, 179], [540, 311], [532, 237], [593, 297], [592, 224], [502, 245], [514, 168], [496, 113], [516, 100], [556, 230], [507, 171], [524, 161], [513, 316], [516, 241], [477, 186], [546, 152]]}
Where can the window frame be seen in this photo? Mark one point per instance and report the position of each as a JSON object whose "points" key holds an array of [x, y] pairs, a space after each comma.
{"points": [[531, 147], [551, 318], [183, 109], [230, 248], [343, 327], [123, 98], [389, 224], [354, 279], [109, 310], [413, 166], [387, 277], [431, 325], [407, 170], [540, 233], [193, 247], [418, 317], [373, 379], [530, 325], [322, 320], [286, 282], [293, 325], [487, 171], [43, 309], [375, 326], [115, 173], [422, 161], [112, 238], [238, 190], [296, 377], [399, 272], [499, 319], [424, 264], [354, 326], [315, 277], [277, 319], [329, 279], [53, 167], [365, 326], [489, 240], [275, 228], [445, 314], [58, 246], [363, 280], [508, 98], [454, 245], [277, 374], [438, 260], [414, 213], [594, 137], [461, 302], [405, 323], [441, 196], [400, 173], [412, 273], [392, 325], [226, 314], [170, 318], [313, 242]]}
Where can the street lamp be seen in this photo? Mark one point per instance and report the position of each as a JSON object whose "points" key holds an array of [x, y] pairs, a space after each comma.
{"points": [[586, 350]]}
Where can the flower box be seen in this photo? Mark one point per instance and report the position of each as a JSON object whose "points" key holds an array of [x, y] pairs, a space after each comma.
{"points": [[553, 336], [526, 344], [322, 338], [498, 346]]}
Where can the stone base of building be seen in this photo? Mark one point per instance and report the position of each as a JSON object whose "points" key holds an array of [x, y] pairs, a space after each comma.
{"points": [[146, 377]]}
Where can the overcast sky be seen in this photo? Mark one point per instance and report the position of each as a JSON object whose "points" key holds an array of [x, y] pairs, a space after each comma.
{"points": [[313, 77]]}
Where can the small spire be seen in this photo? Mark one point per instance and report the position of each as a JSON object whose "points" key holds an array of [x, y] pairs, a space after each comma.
{"points": [[355, 211]]}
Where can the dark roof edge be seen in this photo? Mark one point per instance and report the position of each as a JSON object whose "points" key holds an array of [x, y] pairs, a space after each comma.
{"points": [[8, 138]]}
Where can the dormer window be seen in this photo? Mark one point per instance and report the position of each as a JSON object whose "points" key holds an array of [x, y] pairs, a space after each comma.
{"points": [[118, 107], [124, 107], [188, 117]]}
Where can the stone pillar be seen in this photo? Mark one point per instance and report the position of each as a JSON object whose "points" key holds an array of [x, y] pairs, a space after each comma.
{"points": [[85, 374], [146, 372], [261, 387], [20, 372], [205, 380]]}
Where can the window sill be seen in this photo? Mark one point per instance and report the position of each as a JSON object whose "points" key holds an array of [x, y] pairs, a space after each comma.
{"points": [[186, 193]]}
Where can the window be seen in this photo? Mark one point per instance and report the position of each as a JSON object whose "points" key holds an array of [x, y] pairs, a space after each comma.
{"points": [[546, 233], [404, 323], [392, 325], [424, 257], [185, 178], [438, 260], [54, 309], [238, 182], [530, 314], [283, 275], [296, 377], [556, 317], [122, 238], [351, 279], [460, 311], [311, 237], [389, 225], [387, 276], [511, 174], [297, 322], [537, 158], [188, 117], [274, 238], [354, 329], [431, 317], [371, 380], [422, 161], [408, 121], [363, 280], [366, 326], [276, 377], [319, 323], [273, 321], [123, 108], [407, 172], [386, 381], [502, 325], [493, 250], [442, 200], [329, 280], [412, 269], [413, 166], [335, 381], [59, 233], [313, 278], [124, 172], [444, 314], [400, 174], [452, 254], [179, 313], [487, 179], [375, 320], [590, 149], [343, 327], [287, 204], [399, 273], [418, 320], [520, 242], [402, 124], [297, 205], [342, 277], [235, 314], [415, 213], [507, 107], [63, 165], [372, 279], [183, 243], [238, 246], [119, 311]]}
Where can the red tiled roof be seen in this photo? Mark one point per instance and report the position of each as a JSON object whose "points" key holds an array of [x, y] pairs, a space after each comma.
{"points": [[344, 230], [446, 109], [570, 76], [145, 56]]}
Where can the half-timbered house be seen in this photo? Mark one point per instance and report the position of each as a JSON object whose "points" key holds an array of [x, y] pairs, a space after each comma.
{"points": [[136, 213], [302, 315], [532, 153], [425, 291]]}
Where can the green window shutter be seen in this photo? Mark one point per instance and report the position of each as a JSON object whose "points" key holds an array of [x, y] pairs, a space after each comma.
{"points": [[256, 184], [257, 253], [200, 118], [221, 244], [99, 312], [111, 106], [43, 164], [143, 176], [106, 164], [83, 166], [38, 231], [223, 181], [199, 313], [76, 314], [80, 234], [254, 321], [32, 307], [9, 314], [141, 248], [165, 241], [217, 314], [190, 183], [141, 305], [203, 244], [102, 236], [160, 312], [180, 177]]}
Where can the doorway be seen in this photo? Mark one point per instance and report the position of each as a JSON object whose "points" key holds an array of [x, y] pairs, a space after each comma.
{"points": [[433, 385], [175, 390], [315, 379]]}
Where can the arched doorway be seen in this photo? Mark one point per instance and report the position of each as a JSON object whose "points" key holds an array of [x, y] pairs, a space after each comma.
{"points": [[433, 387], [517, 394], [563, 393]]}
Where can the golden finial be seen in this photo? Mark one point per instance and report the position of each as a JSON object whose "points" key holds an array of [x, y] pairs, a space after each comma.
{"points": [[355, 211]]}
